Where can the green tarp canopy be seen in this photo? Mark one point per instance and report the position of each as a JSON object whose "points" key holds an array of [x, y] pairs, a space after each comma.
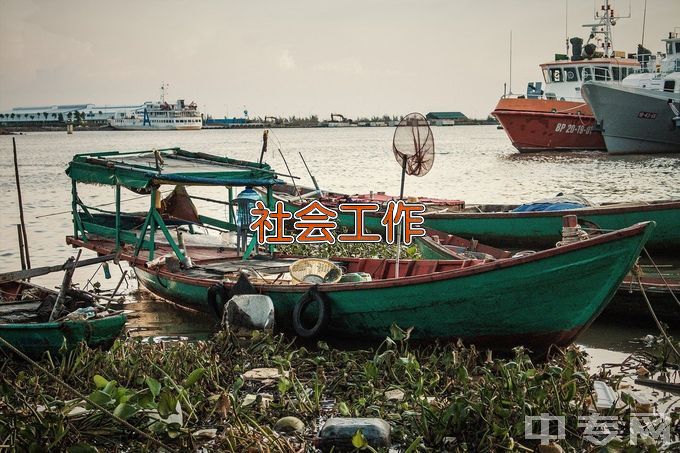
{"points": [[145, 169]]}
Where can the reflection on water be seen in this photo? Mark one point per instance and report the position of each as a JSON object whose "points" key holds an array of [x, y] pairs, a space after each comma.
{"points": [[150, 316], [476, 163]]}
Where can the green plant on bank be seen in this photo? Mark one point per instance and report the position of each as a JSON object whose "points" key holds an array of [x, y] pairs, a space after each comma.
{"points": [[198, 394], [380, 250]]}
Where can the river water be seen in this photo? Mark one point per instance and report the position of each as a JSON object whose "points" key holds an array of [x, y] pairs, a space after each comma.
{"points": [[473, 163]]}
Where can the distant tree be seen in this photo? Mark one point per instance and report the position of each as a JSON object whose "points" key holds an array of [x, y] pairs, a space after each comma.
{"points": [[69, 115], [61, 117], [100, 112], [26, 115], [45, 115], [12, 116], [54, 115], [32, 117]]}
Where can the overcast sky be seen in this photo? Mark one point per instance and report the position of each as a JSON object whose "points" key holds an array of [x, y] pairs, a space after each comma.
{"points": [[363, 57]]}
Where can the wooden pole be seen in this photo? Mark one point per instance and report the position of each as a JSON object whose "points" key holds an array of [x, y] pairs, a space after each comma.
{"points": [[401, 197], [38, 271], [21, 205], [21, 247], [265, 134], [65, 285]]}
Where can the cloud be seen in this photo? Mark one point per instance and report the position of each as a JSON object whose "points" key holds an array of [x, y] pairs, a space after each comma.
{"points": [[286, 60]]}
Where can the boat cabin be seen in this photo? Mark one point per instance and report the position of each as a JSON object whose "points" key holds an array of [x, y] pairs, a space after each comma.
{"points": [[563, 78], [144, 172]]}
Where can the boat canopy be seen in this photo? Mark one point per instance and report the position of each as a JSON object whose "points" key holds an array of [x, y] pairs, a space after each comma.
{"points": [[143, 170]]}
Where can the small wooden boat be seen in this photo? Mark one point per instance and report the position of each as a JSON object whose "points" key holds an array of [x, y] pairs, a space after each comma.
{"points": [[23, 321], [499, 225], [545, 298], [536, 300], [660, 285]]}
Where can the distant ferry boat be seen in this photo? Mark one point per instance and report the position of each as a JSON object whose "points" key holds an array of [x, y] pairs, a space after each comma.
{"points": [[159, 116], [558, 118]]}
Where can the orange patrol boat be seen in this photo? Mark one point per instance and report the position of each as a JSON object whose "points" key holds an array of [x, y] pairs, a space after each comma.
{"points": [[557, 118]]}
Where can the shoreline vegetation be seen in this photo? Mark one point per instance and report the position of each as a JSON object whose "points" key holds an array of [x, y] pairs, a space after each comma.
{"points": [[265, 392], [218, 123]]}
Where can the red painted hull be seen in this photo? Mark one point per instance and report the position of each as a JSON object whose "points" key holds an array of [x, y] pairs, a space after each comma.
{"points": [[549, 125]]}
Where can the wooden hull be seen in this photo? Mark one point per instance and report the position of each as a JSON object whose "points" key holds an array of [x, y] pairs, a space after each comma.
{"points": [[36, 338], [546, 298], [549, 125], [538, 229], [543, 229], [628, 302]]}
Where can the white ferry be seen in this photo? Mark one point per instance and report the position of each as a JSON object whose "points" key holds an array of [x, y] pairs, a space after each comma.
{"points": [[159, 116]]}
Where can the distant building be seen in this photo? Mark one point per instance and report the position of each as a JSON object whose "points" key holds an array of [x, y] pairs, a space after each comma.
{"points": [[59, 114], [446, 118]]}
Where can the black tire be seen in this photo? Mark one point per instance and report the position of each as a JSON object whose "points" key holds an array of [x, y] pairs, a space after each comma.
{"points": [[214, 292], [319, 326]]}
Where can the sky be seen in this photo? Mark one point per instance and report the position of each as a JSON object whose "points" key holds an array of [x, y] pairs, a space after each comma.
{"points": [[297, 57]]}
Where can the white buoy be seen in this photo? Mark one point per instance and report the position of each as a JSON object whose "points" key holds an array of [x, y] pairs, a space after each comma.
{"points": [[69, 128]]}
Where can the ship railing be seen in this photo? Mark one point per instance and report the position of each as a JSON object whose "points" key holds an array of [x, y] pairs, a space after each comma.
{"points": [[545, 97]]}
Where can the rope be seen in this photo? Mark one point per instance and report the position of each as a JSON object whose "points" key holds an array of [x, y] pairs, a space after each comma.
{"points": [[104, 410], [670, 290], [636, 272]]}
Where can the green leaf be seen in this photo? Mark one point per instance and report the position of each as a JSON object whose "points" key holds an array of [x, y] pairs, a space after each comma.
{"points": [[153, 385], [109, 388], [167, 404], [359, 440], [125, 410], [628, 399], [99, 397], [284, 385], [343, 409], [194, 377], [100, 381], [413, 448]]}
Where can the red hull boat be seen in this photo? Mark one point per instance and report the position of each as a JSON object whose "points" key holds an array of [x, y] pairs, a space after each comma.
{"points": [[544, 125]]}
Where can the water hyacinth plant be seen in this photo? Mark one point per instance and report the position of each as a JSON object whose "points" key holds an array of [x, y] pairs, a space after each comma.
{"points": [[230, 393]]}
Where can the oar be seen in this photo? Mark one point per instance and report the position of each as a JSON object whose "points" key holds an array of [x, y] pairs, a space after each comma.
{"points": [[38, 271]]}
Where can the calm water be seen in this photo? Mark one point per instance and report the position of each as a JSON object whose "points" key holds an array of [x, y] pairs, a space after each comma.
{"points": [[475, 163]]}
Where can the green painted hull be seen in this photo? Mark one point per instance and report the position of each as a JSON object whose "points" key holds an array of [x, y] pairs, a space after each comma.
{"points": [[546, 298], [34, 339], [544, 229], [541, 230]]}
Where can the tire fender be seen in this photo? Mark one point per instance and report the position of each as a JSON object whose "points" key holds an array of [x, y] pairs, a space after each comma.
{"points": [[217, 293], [312, 295]]}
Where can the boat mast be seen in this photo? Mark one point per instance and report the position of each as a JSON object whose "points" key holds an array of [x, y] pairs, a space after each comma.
{"points": [[164, 86], [607, 19], [510, 92]]}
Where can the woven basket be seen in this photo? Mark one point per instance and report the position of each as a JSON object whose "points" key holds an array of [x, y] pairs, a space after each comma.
{"points": [[314, 270]]}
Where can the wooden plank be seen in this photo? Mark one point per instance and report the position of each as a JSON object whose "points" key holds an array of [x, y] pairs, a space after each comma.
{"points": [[38, 271]]}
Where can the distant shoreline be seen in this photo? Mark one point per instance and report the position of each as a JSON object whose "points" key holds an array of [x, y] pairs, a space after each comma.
{"points": [[19, 130]]}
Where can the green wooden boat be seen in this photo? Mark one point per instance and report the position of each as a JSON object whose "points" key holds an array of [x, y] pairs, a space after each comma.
{"points": [[19, 325], [537, 300], [545, 298], [660, 284], [496, 225]]}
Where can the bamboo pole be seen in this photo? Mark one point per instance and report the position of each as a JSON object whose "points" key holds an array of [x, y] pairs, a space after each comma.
{"points": [[65, 285], [21, 205], [21, 247]]}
